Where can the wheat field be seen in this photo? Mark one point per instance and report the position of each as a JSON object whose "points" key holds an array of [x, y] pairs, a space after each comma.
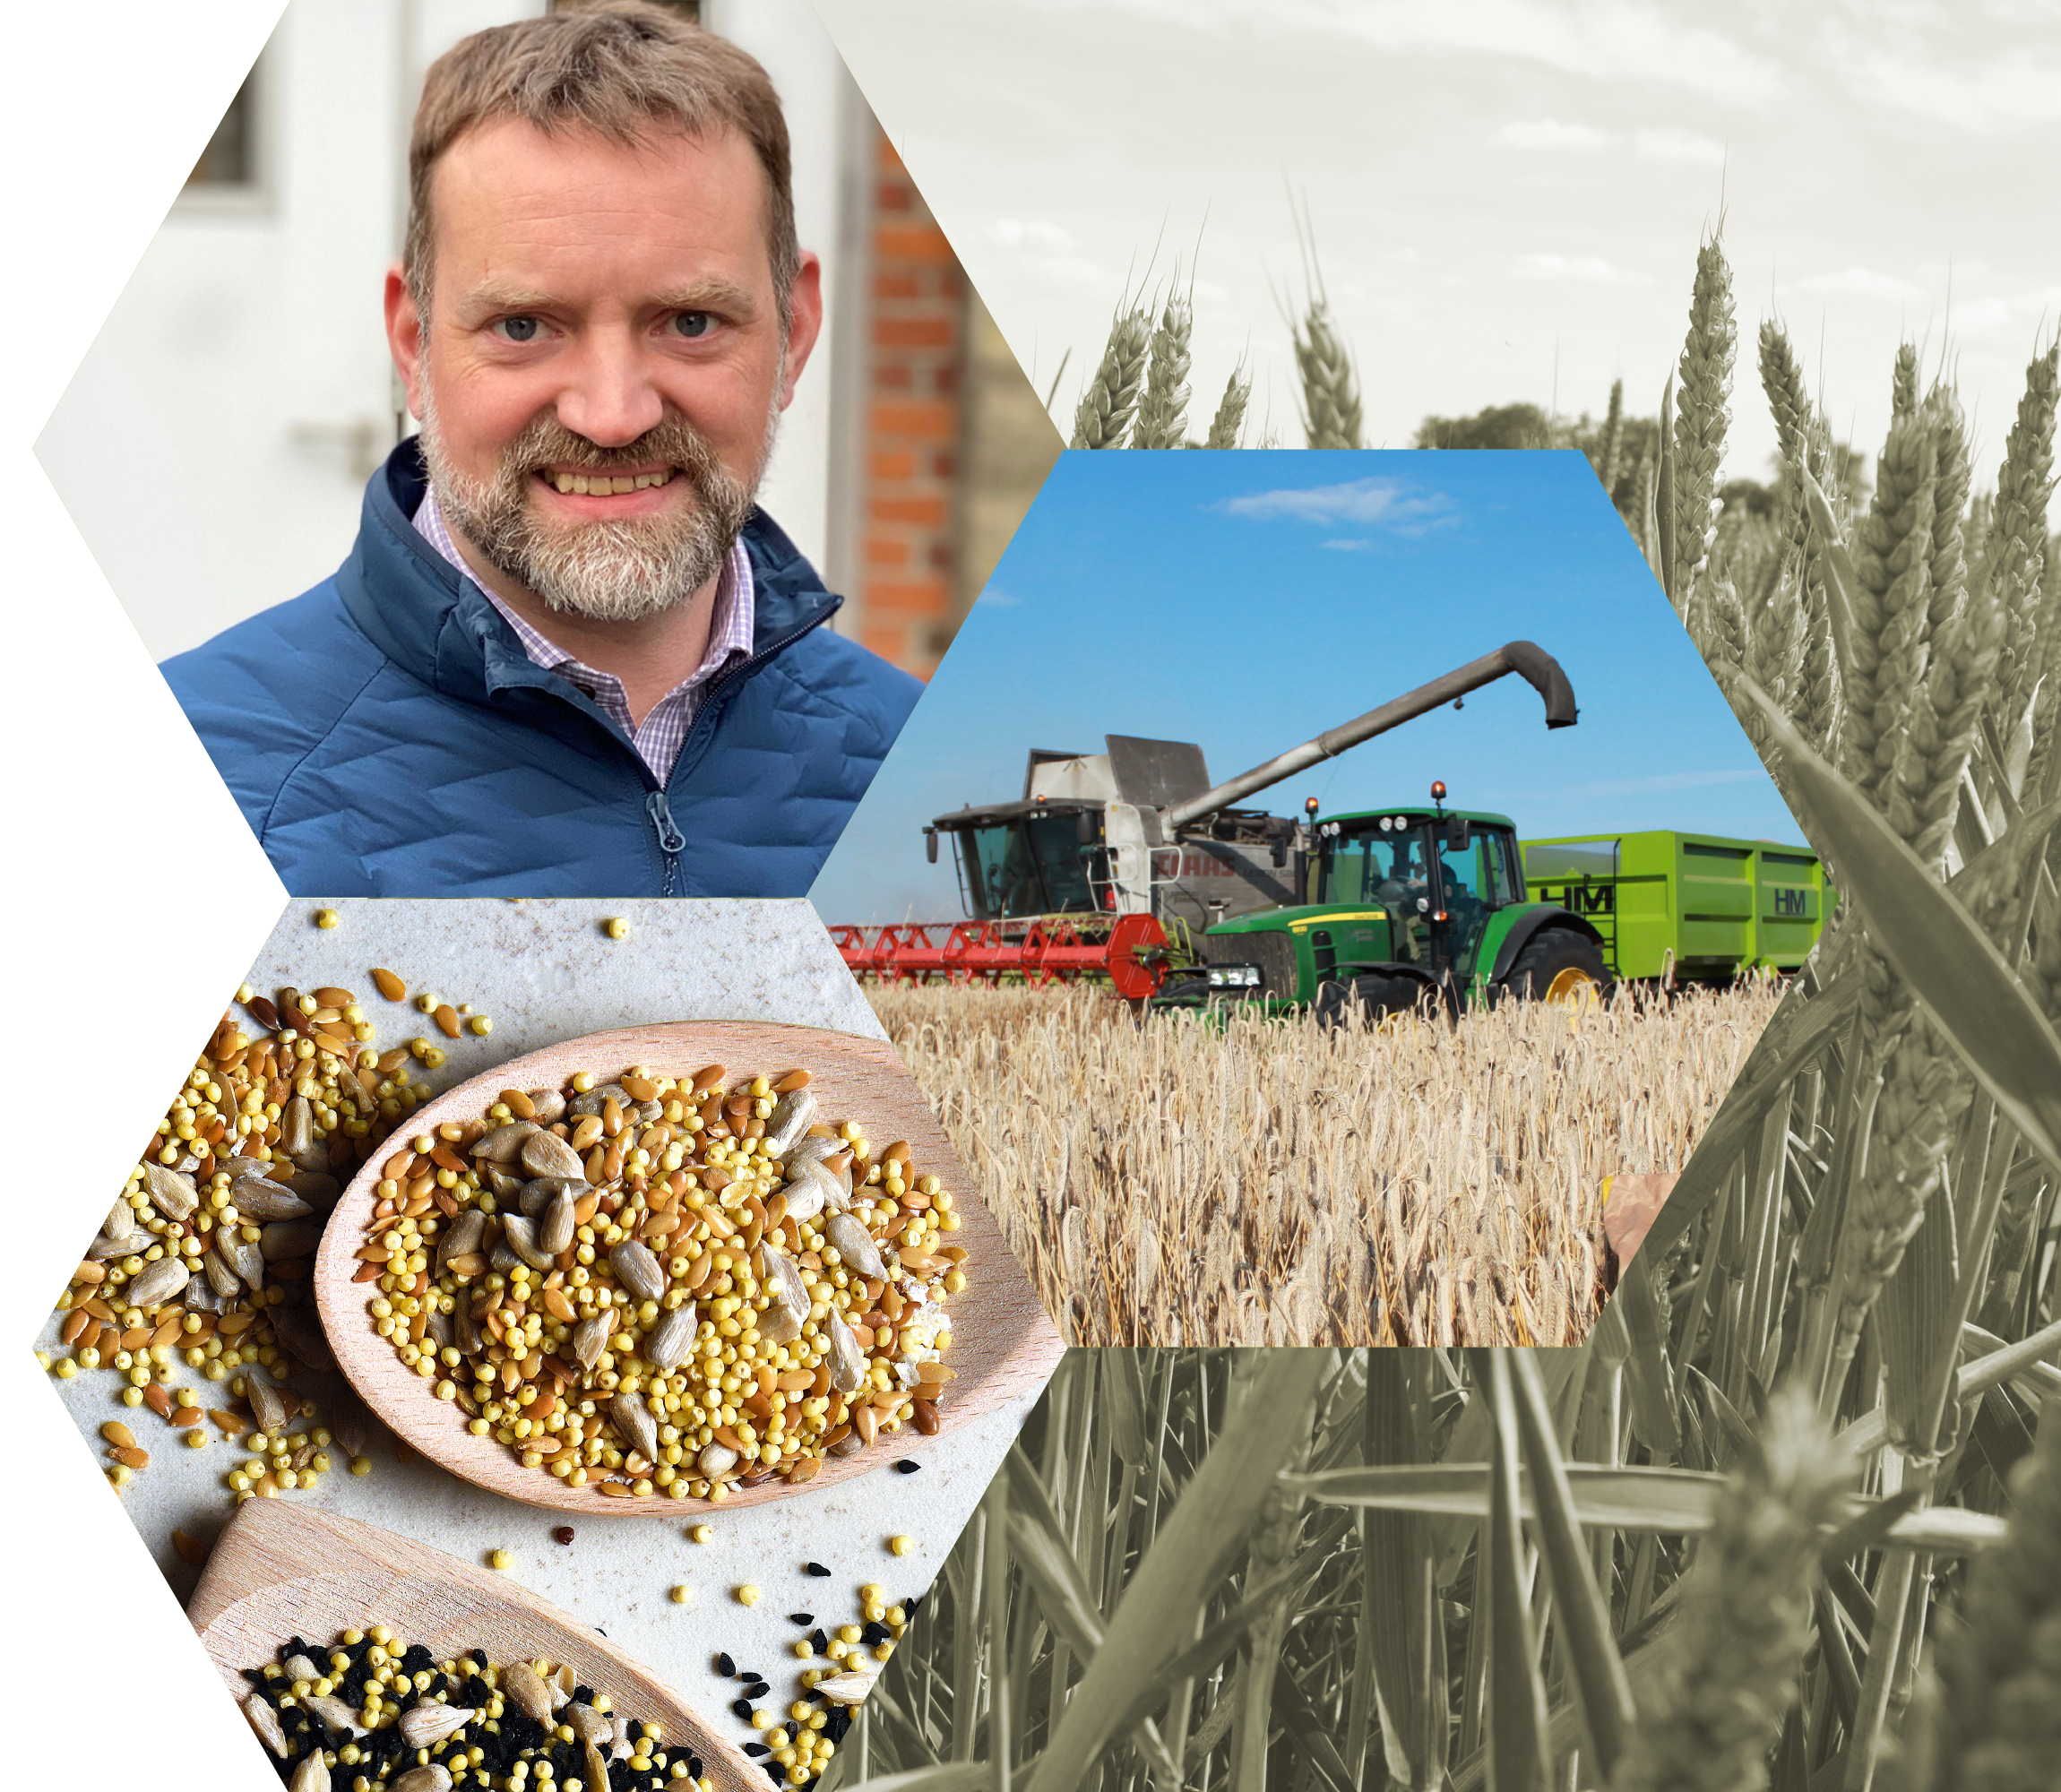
{"points": [[1260, 1182]]}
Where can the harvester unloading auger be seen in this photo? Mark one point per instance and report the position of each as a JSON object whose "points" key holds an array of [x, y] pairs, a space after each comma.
{"points": [[1124, 863]]}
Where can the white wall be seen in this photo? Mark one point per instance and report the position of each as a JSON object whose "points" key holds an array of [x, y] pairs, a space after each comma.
{"points": [[203, 446]]}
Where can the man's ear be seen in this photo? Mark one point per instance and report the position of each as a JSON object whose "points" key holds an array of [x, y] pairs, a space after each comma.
{"points": [[806, 302], [405, 327]]}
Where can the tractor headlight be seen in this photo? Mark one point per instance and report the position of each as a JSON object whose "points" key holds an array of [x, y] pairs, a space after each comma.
{"points": [[1234, 976]]}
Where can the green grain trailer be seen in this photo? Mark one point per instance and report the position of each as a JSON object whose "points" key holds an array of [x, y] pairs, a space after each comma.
{"points": [[1706, 906]]}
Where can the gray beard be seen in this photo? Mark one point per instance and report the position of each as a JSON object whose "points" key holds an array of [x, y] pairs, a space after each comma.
{"points": [[604, 572]]}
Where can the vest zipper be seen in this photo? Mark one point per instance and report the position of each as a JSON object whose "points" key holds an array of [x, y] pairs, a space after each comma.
{"points": [[672, 842]]}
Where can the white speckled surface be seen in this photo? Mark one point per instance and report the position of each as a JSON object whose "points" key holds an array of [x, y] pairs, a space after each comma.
{"points": [[545, 971]]}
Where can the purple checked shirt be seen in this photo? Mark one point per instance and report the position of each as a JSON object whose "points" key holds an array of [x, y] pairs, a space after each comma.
{"points": [[665, 729]]}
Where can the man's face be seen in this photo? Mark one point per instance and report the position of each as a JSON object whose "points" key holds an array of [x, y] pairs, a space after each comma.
{"points": [[601, 316]]}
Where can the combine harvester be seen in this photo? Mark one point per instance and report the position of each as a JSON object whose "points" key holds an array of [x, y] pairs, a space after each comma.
{"points": [[1130, 865]]}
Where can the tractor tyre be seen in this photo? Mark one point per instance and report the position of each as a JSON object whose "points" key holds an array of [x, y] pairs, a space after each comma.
{"points": [[1557, 964], [1374, 996]]}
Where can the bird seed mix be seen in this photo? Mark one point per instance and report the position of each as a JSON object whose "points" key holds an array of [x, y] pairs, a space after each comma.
{"points": [[671, 1286], [370, 1711], [203, 1263]]}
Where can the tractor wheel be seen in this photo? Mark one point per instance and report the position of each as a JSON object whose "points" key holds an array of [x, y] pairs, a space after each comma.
{"points": [[1375, 996], [1558, 964]]}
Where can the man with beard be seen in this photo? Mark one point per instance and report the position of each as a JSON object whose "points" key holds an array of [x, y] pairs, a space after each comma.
{"points": [[567, 655]]}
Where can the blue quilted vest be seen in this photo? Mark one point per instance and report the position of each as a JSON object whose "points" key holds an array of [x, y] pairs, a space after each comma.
{"points": [[384, 735]]}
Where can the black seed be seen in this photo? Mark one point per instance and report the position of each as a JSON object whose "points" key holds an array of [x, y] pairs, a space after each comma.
{"points": [[818, 1570], [726, 1667], [743, 1707], [757, 1748], [820, 1641], [758, 1689], [906, 1466], [803, 1619], [873, 1634]]}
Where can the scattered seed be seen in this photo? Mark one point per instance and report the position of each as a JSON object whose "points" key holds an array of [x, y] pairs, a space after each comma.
{"points": [[327, 917], [500, 1561], [617, 927], [390, 986], [681, 1595], [747, 1595], [899, 1545], [562, 1533]]}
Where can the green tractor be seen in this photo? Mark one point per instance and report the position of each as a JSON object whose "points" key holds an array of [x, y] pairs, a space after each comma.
{"points": [[1403, 908]]}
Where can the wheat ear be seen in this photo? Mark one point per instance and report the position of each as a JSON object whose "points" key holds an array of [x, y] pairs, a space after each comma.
{"points": [[1230, 417], [1330, 390], [1105, 411], [1702, 411], [1163, 408]]}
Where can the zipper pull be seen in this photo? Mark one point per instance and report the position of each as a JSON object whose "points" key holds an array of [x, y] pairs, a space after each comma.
{"points": [[671, 839]]}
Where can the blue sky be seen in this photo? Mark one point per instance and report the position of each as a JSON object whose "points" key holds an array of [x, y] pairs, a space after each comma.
{"points": [[1249, 601]]}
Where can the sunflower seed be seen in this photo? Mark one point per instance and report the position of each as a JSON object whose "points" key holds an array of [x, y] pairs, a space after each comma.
{"points": [[159, 1282], [586, 1723], [121, 1223], [335, 1716], [634, 1423], [598, 1098], [638, 1270], [846, 1689], [430, 1779], [259, 1200], [437, 1323], [847, 1361], [426, 1723], [299, 1668], [672, 1338], [588, 1337], [318, 1188], [104, 1247], [268, 1407], [782, 1322], [225, 1281], [521, 1236], [172, 1195], [461, 1237], [526, 1686], [545, 1154], [855, 1245], [504, 1144], [555, 1230], [788, 1120], [506, 1187], [564, 1684], [810, 1190], [265, 1721], [539, 1193], [312, 1775], [596, 1762], [244, 1257], [714, 1459], [201, 1296], [549, 1104]]}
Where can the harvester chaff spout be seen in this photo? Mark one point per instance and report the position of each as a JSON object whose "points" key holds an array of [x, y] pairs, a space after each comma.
{"points": [[1530, 662]]}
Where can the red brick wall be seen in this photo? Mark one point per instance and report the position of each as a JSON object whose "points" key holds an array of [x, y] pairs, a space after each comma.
{"points": [[917, 341]]}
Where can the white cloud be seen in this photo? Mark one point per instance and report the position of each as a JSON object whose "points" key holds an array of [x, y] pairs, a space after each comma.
{"points": [[1865, 282], [1591, 267], [1351, 547], [1550, 134], [1678, 146], [995, 598], [1383, 502], [1031, 233], [1603, 40], [2000, 96]]}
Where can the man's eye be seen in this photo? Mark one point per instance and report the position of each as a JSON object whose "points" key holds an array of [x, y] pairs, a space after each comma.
{"points": [[693, 323], [518, 329]]}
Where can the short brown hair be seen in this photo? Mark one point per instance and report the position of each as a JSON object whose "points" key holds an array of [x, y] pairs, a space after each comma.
{"points": [[616, 69]]}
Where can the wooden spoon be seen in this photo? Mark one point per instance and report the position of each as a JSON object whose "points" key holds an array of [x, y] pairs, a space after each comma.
{"points": [[1003, 1345], [281, 1571]]}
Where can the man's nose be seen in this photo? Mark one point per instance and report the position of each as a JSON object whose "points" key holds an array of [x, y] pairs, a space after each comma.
{"points": [[610, 398]]}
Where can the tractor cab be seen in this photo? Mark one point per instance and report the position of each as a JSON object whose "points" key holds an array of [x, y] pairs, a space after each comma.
{"points": [[1437, 874]]}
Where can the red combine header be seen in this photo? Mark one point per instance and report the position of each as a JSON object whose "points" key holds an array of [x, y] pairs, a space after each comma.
{"points": [[1130, 951]]}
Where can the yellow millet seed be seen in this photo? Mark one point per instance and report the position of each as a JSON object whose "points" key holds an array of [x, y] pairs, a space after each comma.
{"points": [[747, 1596], [327, 917], [901, 1546], [681, 1595], [617, 928], [482, 1024], [702, 1533], [500, 1561]]}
